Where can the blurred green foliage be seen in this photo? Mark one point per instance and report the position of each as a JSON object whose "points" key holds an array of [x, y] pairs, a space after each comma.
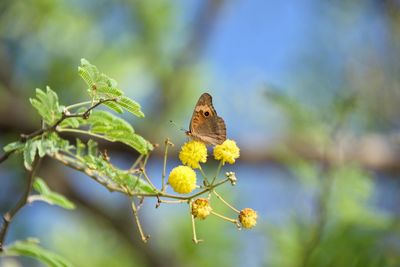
{"points": [[92, 241], [141, 43], [344, 228]]}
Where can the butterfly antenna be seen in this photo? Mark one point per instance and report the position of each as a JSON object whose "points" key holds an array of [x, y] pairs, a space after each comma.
{"points": [[180, 128]]}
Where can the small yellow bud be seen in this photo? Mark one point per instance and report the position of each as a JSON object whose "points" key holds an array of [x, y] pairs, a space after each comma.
{"points": [[227, 151], [182, 179], [201, 208], [248, 218], [192, 153]]}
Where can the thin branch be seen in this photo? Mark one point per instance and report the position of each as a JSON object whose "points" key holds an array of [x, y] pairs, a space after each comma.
{"points": [[72, 163], [8, 217], [217, 172], [135, 164], [206, 182], [323, 198], [179, 201], [135, 213], [148, 179], [195, 240], [86, 114], [64, 116], [208, 189], [68, 130], [112, 187], [164, 172], [78, 105], [6, 155], [225, 202], [225, 218], [144, 163]]}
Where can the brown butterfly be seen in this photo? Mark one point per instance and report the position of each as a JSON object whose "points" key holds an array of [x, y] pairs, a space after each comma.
{"points": [[205, 125]]}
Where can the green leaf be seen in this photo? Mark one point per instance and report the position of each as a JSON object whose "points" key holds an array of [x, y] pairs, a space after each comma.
{"points": [[115, 129], [31, 248], [131, 106], [42, 148], [100, 117], [101, 167], [109, 92], [80, 147], [46, 103], [40, 186], [114, 106], [71, 122], [57, 143], [136, 184], [137, 142], [51, 143], [88, 72], [92, 148], [29, 153], [99, 84], [122, 177], [14, 146], [48, 196]]}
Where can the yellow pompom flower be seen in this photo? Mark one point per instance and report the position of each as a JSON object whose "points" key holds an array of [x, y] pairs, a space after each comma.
{"points": [[201, 208], [227, 151], [248, 218], [192, 153], [182, 179]]}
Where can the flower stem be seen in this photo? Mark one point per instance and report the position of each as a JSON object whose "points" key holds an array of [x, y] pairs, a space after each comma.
{"points": [[179, 201], [148, 180], [137, 161], [164, 172], [207, 189], [204, 176], [225, 202], [218, 171], [195, 240], [135, 213], [78, 105], [224, 217]]}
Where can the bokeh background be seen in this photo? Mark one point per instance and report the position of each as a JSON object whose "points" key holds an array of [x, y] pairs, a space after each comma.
{"points": [[310, 90]]}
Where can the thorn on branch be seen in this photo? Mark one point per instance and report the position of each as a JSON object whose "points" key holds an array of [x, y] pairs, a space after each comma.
{"points": [[168, 142], [158, 202], [141, 201], [145, 238]]}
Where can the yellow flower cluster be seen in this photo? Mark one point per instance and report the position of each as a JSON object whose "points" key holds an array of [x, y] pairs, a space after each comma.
{"points": [[201, 208], [182, 179], [192, 153], [227, 151], [248, 218]]}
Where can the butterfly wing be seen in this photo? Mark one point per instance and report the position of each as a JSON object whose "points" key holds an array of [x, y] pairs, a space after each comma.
{"points": [[205, 124]]}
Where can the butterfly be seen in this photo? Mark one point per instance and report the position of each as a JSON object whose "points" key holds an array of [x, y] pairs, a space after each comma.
{"points": [[205, 125]]}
